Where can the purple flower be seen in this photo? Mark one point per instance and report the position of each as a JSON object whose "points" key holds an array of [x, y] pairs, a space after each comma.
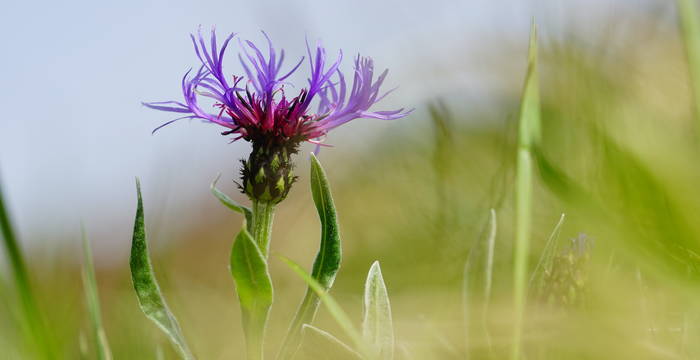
{"points": [[255, 107]]}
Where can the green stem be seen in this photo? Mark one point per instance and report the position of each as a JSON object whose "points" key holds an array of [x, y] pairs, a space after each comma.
{"points": [[256, 322], [21, 278], [263, 214], [254, 339]]}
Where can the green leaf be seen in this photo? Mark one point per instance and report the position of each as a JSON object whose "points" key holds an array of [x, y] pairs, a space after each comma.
{"points": [[93, 302], [477, 280], [230, 203], [147, 290], [377, 325], [32, 323], [318, 344], [333, 307], [254, 288], [528, 138], [546, 261], [328, 258], [327, 262], [690, 26]]}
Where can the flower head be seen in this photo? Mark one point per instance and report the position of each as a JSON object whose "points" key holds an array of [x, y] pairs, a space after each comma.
{"points": [[255, 107]]}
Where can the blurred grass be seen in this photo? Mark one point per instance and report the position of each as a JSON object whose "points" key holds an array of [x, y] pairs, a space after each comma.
{"points": [[618, 155]]}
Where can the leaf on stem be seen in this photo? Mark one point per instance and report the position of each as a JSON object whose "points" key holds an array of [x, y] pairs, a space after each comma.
{"points": [[230, 203], [147, 290], [254, 287], [327, 262]]}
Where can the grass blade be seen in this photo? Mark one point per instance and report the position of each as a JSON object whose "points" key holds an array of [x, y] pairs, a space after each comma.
{"points": [[318, 344], [230, 203], [93, 302], [148, 292], [690, 26], [488, 275], [528, 136], [377, 324], [327, 262], [480, 259], [544, 264], [254, 288], [33, 321], [333, 307]]}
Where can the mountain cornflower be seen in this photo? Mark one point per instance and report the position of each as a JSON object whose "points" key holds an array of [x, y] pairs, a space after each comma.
{"points": [[255, 107]]}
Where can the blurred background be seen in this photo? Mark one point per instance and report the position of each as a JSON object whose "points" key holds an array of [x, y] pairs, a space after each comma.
{"points": [[618, 157]]}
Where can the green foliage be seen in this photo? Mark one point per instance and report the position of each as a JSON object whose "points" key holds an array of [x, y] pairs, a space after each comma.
{"points": [[690, 26], [477, 281], [528, 136], [32, 321], [147, 290], [333, 307], [93, 303], [254, 288], [328, 258], [377, 324], [327, 262], [230, 203], [318, 344], [546, 262], [615, 154]]}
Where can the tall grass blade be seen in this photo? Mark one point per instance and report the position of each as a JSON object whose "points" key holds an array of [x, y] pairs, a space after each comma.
{"points": [[318, 344], [443, 168], [478, 279], [488, 275], [148, 292], [377, 324], [93, 302], [528, 137], [546, 260], [32, 321], [254, 288], [333, 307], [690, 26], [328, 258]]}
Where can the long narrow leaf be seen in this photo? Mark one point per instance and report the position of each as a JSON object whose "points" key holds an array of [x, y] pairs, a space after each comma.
{"points": [[528, 137], [33, 321], [690, 26], [478, 278], [328, 258], [377, 324], [544, 264], [230, 203], [147, 290], [318, 344], [254, 288], [334, 308], [93, 302]]}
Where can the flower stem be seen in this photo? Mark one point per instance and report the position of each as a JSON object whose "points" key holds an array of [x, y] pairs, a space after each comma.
{"points": [[255, 322], [263, 214]]}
